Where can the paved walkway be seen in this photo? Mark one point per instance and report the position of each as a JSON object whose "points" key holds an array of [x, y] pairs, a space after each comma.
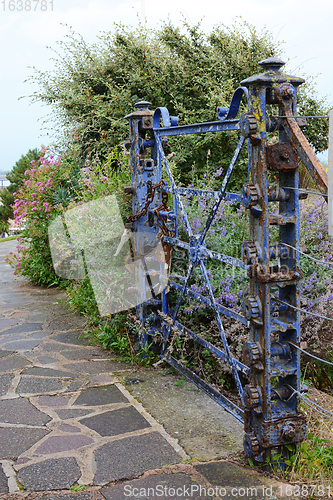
{"points": [[66, 420]]}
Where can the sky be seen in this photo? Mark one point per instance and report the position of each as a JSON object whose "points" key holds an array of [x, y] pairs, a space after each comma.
{"points": [[25, 35]]}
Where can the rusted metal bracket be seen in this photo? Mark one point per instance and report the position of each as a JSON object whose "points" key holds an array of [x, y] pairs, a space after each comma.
{"points": [[285, 93]]}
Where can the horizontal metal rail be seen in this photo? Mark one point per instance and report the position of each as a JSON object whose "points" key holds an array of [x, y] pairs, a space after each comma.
{"points": [[200, 128]]}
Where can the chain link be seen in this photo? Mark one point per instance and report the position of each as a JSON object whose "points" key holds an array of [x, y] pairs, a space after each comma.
{"points": [[149, 200], [161, 220]]}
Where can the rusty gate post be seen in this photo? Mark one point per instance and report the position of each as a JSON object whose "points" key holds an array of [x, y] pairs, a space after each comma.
{"points": [[272, 416], [145, 174]]}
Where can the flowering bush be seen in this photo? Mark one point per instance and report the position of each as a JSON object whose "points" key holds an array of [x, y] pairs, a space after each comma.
{"points": [[47, 191], [34, 208]]}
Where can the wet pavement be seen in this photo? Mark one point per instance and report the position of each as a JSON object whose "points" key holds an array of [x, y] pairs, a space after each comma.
{"points": [[72, 416]]}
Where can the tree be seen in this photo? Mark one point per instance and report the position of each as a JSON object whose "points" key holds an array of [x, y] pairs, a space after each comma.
{"points": [[15, 176], [3, 228], [93, 87]]}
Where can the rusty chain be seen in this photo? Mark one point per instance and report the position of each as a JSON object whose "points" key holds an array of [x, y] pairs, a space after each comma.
{"points": [[149, 200], [161, 220]]}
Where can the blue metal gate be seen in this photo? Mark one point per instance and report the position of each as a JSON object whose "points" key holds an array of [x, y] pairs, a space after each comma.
{"points": [[269, 401]]}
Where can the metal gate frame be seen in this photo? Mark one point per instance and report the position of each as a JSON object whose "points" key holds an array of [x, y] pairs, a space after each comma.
{"points": [[271, 404]]}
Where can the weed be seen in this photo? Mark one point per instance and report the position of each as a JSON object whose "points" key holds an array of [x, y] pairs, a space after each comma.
{"points": [[180, 382], [78, 487]]}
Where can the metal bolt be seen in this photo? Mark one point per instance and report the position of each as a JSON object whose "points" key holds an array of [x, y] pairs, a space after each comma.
{"points": [[288, 432], [284, 156]]}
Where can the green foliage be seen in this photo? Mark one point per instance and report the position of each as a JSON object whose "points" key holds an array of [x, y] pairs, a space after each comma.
{"points": [[3, 227], [310, 104], [78, 487], [82, 299], [315, 453], [9, 238], [93, 87], [16, 176], [180, 382]]}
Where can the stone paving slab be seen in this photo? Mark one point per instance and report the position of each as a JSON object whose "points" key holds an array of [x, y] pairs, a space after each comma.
{"points": [[13, 363], [55, 347], [69, 414], [21, 345], [47, 372], [98, 396], [68, 428], [95, 367], [16, 440], [34, 385], [130, 457], [52, 474], [88, 354], [161, 486], [67, 322], [21, 411], [6, 323], [5, 383], [45, 360], [58, 444], [72, 337], [53, 401], [227, 475], [116, 422], [25, 328], [3, 481]]}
